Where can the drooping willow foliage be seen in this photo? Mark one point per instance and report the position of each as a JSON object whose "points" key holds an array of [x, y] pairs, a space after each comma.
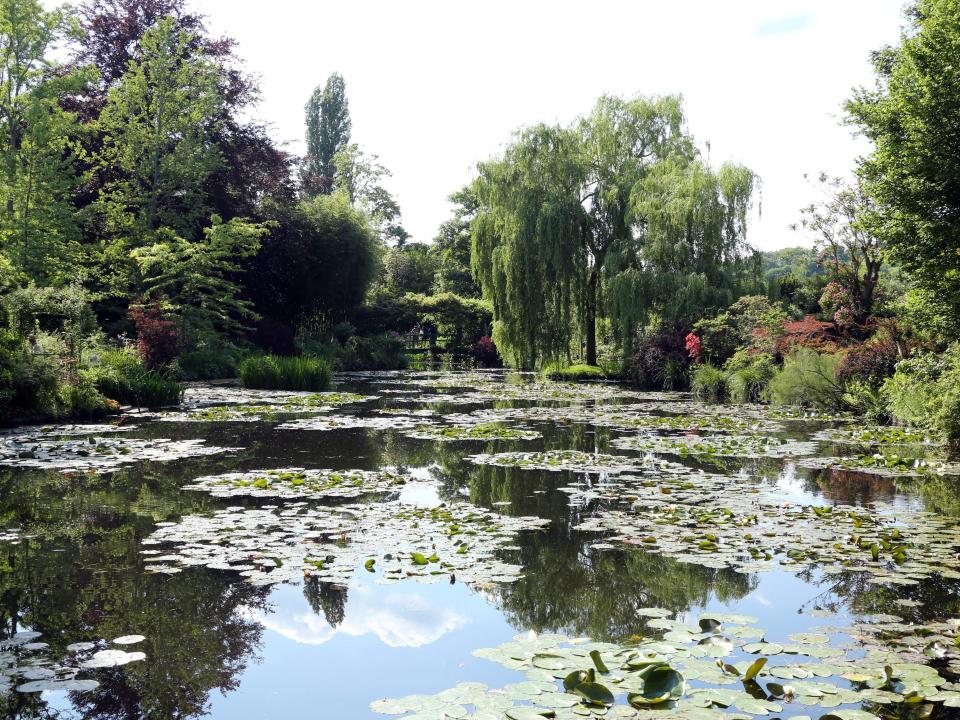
{"points": [[690, 256], [526, 248], [612, 217]]}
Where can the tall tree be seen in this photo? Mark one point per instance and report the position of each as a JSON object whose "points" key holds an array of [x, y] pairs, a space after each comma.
{"points": [[913, 173], [328, 133], [452, 246], [38, 141], [554, 208], [851, 254], [156, 128], [360, 177]]}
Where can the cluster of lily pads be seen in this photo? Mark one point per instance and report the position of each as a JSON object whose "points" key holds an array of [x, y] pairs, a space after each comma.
{"points": [[24, 665], [96, 454], [263, 405], [271, 545], [298, 483], [349, 422], [475, 431], [884, 463], [701, 671], [728, 522], [741, 446], [558, 460]]}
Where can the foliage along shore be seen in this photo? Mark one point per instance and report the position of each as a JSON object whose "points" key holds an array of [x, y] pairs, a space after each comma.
{"points": [[152, 232]]}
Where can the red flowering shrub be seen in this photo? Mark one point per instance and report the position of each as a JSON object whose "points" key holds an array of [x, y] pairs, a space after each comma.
{"points": [[158, 341], [485, 353], [694, 347], [808, 333]]}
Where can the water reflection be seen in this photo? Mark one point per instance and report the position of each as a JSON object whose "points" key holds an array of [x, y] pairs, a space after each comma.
{"points": [[399, 616], [217, 645]]}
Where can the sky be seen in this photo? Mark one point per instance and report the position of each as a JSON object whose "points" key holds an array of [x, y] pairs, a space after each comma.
{"points": [[436, 86]]}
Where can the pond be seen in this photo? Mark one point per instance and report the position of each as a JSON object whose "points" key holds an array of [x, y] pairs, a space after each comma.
{"points": [[476, 544]]}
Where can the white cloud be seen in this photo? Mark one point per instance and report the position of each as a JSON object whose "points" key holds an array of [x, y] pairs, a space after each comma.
{"points": [[436, 86], [398, 619]]}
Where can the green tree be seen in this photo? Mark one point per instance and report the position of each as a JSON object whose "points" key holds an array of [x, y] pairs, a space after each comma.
{"points": [[195, 280], [328, 133], [452, 248], [360, 177], [37, 142], [157, 129], [913, 173], [609, 217]]}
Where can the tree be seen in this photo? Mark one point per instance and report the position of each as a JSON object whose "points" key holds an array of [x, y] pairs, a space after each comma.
{"points": [[360, 177], [852, 254], [328, 133], [690, 256], [315, 265], [452, 248], [38, 142], [913, 173], [410, 268], [620, 185], [157, 126], [195, 280]]}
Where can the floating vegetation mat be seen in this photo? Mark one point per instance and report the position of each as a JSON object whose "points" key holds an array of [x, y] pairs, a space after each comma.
{"points": [[270, 545], [619, 417], [557, 460], [742, 446], [727, 522], [347, 422], [478, 431], [299, 484], [204, 395], [876, 436], [25, 665], [242, 407], [28, 433], [97, 454], [722, 667], [885, 463]]}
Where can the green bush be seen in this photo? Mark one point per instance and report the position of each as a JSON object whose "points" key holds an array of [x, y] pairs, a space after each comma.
{"points": [[122, 376], [576, 372], [708, 383], [749, 376], [808, 379], [925, 392], [269, 372], [209, 361]]}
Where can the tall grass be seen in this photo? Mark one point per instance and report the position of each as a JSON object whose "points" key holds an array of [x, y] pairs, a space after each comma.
{"points": [[121, 376], [709, 383], [575, 372], [270, 372]]}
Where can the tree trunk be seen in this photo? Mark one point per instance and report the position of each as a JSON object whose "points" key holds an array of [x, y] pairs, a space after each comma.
{"points": [[590, 323]]}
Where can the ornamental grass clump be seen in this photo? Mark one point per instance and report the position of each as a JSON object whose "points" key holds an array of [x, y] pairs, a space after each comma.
{"points": [[270, 372]]}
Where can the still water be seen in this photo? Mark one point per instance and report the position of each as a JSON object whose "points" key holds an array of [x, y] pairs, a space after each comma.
{"points": [[219, 646]]}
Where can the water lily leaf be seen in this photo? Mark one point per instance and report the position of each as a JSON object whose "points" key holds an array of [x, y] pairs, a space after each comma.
{"points": [[522, 713], [660, 684], [419, 558], [755, 667], [594, 693], [598, 661]]}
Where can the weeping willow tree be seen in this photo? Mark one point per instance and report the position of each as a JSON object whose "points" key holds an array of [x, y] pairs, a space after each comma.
{"points": [[526, 243], [552, 210], [690, 256]]}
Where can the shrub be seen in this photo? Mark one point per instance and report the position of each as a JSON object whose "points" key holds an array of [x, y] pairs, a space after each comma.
{"points": [[870, 363], [808, 333], [122, 376], [661, 361], [575, 372], [379, 352], [209, 360], [925, 391], [269, 372], [484, 352], [808, 378], [158, 341], [708, 383], [749, 375]]}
